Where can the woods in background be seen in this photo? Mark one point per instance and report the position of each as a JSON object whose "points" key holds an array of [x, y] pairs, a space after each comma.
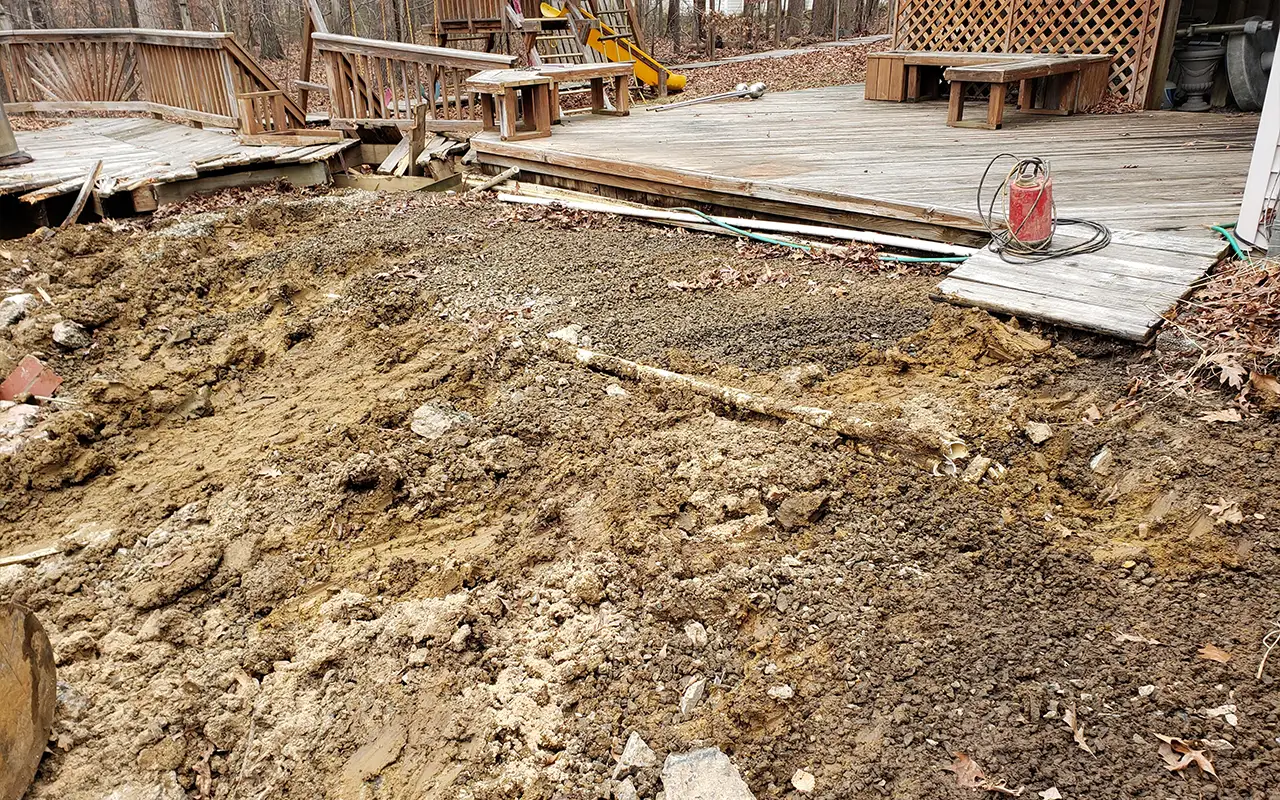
{"points": [[269, 27]]}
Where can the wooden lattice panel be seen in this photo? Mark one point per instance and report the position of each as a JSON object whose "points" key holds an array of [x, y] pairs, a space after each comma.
{"points": [[1126, 29]]}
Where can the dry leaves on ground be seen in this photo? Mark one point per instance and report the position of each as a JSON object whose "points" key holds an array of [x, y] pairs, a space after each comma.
{"points": [[1211, 652], [1178, 754], [1121, 638], [1225, 415], [1233, 322], [1077, 730], [971, 776]]}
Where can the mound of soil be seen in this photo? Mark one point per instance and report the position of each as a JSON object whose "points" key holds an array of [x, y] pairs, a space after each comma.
{"points": [[332, 524]]}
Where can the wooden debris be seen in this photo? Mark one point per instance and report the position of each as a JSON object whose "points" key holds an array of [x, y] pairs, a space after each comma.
{"points": [[890, 441], [33, 555], [506, 174], [86, 189]]}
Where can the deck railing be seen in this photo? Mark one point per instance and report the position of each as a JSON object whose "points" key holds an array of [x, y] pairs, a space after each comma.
{"points": [[374, 82], [199, 77]]}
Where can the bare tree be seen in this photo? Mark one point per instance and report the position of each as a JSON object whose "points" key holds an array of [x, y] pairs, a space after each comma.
{"points": [[673, 24]]}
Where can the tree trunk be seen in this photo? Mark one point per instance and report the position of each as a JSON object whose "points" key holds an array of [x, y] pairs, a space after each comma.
{"points": [[795, 15], [699, 20], [263, 31], [673, 24], [820, 24]]}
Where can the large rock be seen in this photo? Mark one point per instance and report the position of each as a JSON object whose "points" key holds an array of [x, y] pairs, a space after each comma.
{"points": [[431, 421], [705, 774], [636, 754], [801, 509], [15, 307], [71, 335]]}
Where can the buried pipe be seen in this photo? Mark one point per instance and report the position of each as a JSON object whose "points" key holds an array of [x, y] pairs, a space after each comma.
{"points": [[846, 234], [889, 441]]}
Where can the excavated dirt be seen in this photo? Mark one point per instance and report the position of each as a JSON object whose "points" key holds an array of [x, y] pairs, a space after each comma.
{"points": [[334, 524]]}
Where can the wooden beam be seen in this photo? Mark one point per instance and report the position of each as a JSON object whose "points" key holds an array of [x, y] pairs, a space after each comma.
{"points": [[298, 174], [83, 197]]}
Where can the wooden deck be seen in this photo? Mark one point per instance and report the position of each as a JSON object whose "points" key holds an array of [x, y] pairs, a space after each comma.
{"points": [[828, 154], [144, 154]]}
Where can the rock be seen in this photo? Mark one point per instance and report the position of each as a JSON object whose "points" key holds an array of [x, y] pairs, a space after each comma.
{"points": [[458, 642], [803, 781], [802, 376], [501, 454], [781, 692], [634, 754], [692, 696], [625, 791], [79, 646], [569, 333], [977, 468], [71, 335], [1102, 461], [800, 510], [697, 634], [15, 307], [1146, 691], [431, 421], [191, 569], [346, 606], [614, 390], [586, 587], [1038, 432], [704, 774]]}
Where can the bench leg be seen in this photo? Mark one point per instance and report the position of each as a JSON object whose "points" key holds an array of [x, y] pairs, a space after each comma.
{"points": [[1026, 95], [995, 106], [1059, 95], [488, 113], [955, 109], [597, 96], [556, 111], [507, 116], [622, 95], [913, 83]]}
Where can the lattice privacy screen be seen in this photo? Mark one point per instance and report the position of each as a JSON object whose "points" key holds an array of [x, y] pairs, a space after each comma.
{"points": [[1127, 29]]}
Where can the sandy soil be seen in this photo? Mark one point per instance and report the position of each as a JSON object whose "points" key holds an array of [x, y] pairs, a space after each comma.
{"points": [[272, 586]]}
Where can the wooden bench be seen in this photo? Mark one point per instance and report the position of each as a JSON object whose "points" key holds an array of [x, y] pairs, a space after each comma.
{"points": [[515, 102], [1049, 84], [596, 74]]}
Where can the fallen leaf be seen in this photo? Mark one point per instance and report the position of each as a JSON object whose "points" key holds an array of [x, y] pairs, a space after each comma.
{"points": [[1228, 364], [1265, 383], [968, 774], [1178, 754], [1225, 511], [1002, 788], [1212, 652], [1225, 415], [1051, 793], [1133, 637], [1077, 729]]}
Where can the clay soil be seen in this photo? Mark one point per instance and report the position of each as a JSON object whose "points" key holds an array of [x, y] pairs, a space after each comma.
{"points": [[270, 586]]}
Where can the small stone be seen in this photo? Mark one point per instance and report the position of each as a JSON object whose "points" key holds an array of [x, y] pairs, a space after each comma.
{"points": [[569, 333], [458, 642], [1051, 793], [634, 754], [1129, 564], [705, 774], [1102, 461], [803, 780], [586, 587], [625, 791], [71, 335], [977, 468], [79, 646], [1146, 691], [614, 390], [781, 692], [800, 510], [692, 696], [431, 421], [15, 307], [1038, 432], [697, 634]]}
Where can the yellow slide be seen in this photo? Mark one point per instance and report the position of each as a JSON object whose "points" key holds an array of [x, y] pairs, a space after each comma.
{"points": [[647, 69]]}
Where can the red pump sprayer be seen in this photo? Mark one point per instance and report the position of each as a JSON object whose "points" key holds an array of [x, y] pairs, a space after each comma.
{"points": [[1030, 217]]}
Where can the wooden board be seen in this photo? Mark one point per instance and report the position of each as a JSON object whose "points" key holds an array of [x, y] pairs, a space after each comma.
{"points": [[139, 152], [829, 154], [1122, 290]]}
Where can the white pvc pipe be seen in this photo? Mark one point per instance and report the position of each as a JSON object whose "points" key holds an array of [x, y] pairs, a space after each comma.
{"points": [[866, 237]]}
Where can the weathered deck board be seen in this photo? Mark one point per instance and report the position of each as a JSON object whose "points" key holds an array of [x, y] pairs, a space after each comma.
{"points": [[1158, 179], [132, 148]]}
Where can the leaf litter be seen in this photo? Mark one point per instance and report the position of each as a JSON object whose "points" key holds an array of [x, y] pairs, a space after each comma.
{"points": [[1077, 730], [1178, 754], [1211, 652], [969, 775]]}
